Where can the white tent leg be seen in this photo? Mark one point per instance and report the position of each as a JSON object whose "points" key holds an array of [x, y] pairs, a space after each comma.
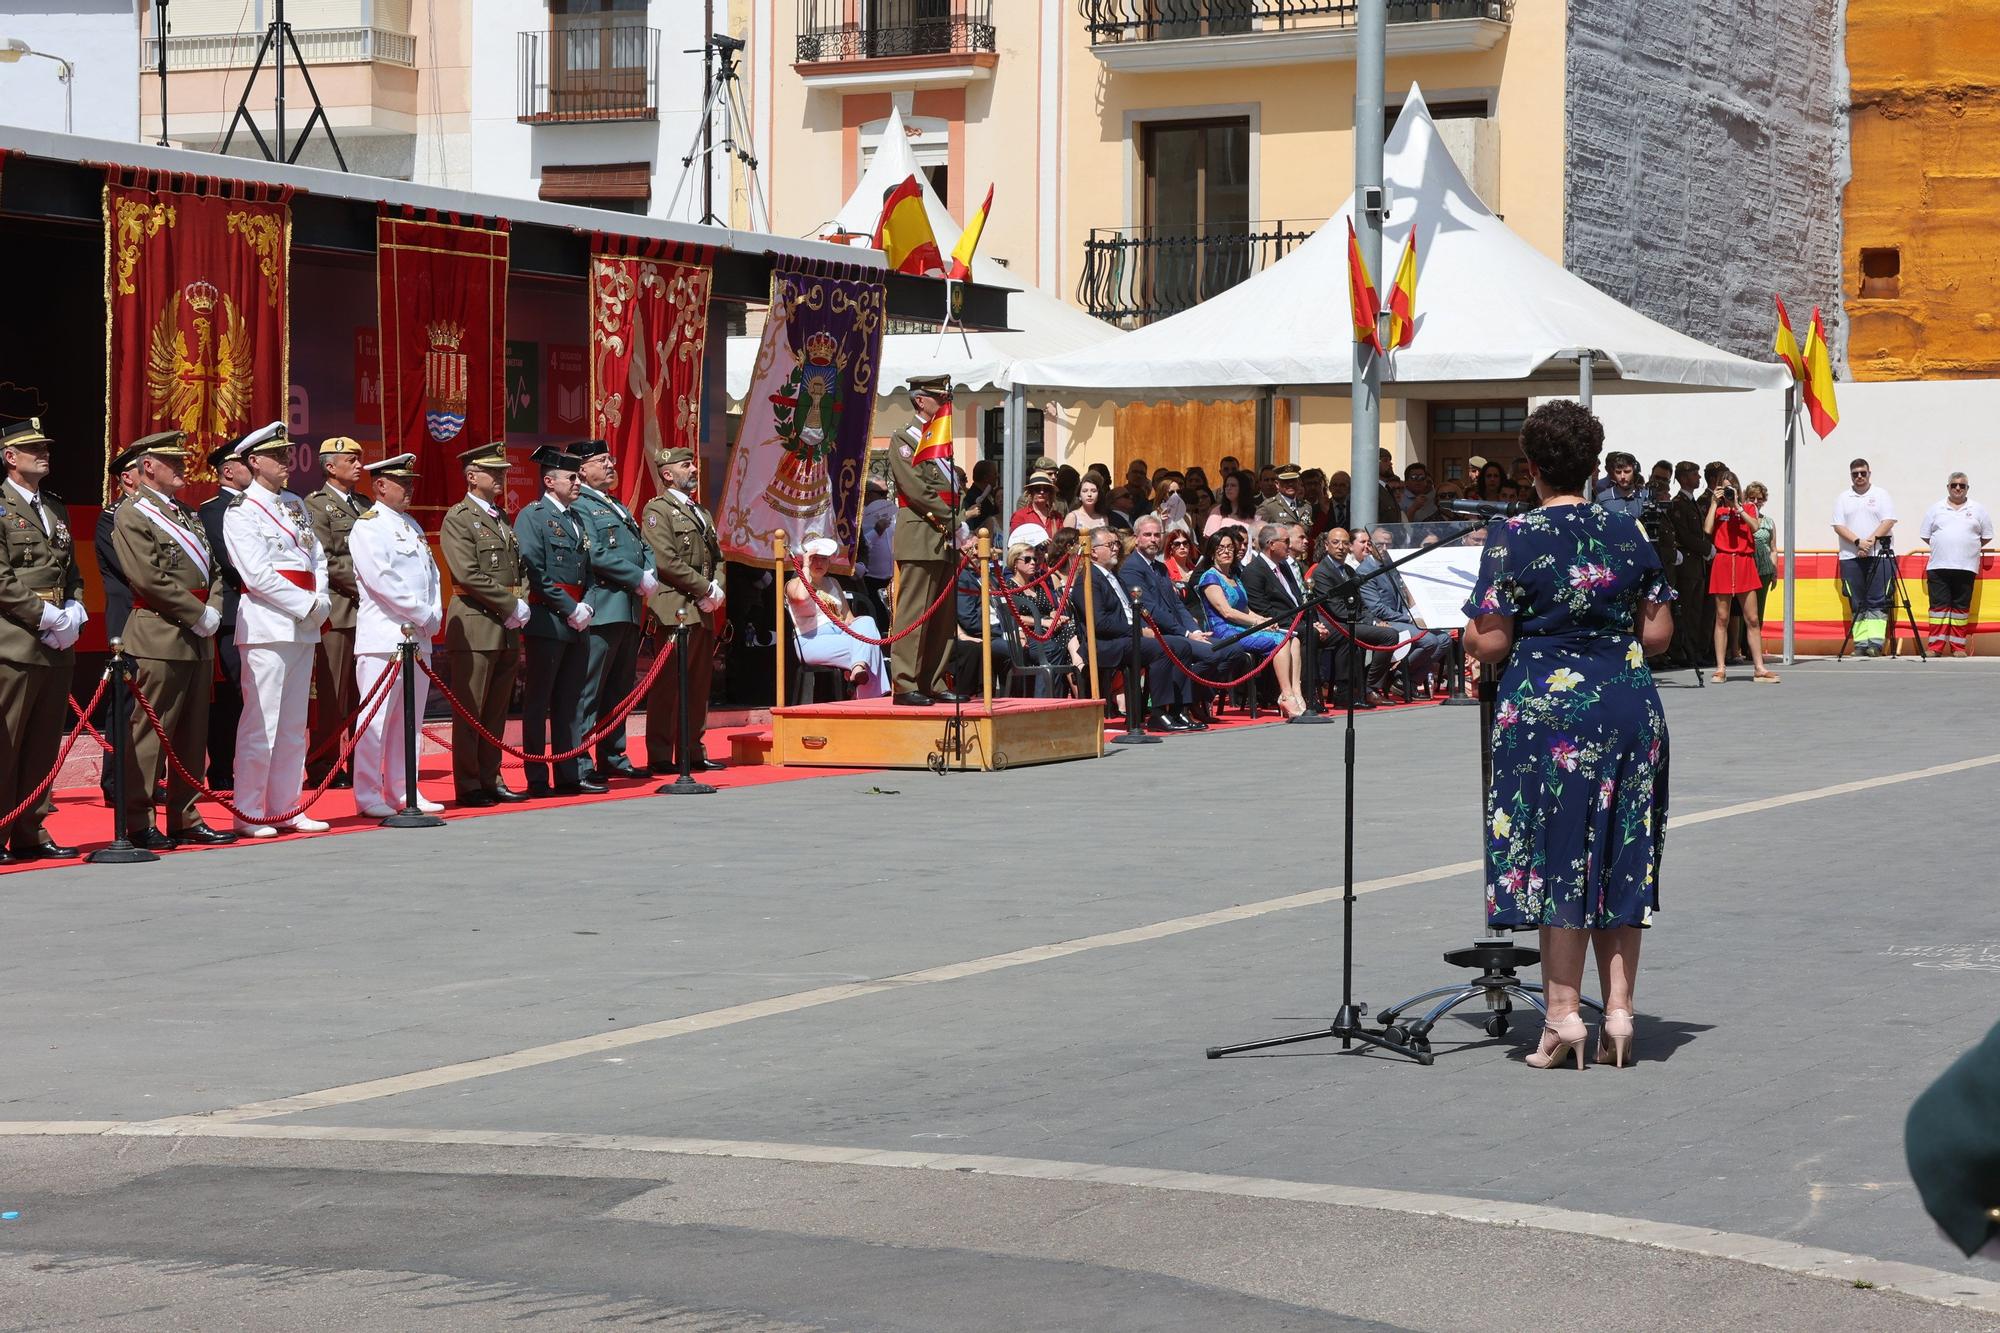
{"points": [[1014, 446]]}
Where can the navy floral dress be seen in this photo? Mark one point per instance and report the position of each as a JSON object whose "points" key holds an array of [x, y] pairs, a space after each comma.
{"points": [[1578, 813]]}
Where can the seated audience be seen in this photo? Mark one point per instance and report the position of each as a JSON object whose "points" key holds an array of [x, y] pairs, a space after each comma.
{"points": [[819, 607]]}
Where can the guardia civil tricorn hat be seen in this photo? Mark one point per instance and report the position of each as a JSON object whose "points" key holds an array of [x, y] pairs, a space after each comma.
{"points": [[553, 458]]}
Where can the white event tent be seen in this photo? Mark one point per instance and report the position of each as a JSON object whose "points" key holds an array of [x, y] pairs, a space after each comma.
{"points": [[977, 361]]}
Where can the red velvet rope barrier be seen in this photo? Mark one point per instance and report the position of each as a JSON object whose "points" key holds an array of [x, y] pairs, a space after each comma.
{"points": [[1045, 575], [950, 587], [83, 715], [376, 697], [605, 726], [1188, 671], [62, 756]]}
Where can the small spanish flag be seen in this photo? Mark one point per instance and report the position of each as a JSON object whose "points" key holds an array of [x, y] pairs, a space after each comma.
{"points": [[968, 241], [1787, 345], [1403, 296], [1362, 302], [1818, 382], [904, 233]]}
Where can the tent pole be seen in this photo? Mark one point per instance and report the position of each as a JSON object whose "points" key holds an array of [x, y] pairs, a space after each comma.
{"points": [[1267, 429], [1371, 26], [1013, 446], [1586, 375], [1791, 520]]}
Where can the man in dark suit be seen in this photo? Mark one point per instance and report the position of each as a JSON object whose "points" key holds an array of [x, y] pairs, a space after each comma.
{"points": [[1686, 514], [117, 592], [233, 477], [1275, 590], [1182, 633], [1113, 613], [1341, 586]]}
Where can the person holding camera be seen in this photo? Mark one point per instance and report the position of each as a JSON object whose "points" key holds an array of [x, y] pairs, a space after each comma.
{"points": [[1863, 517], [1731, 526], [1570, 601]]}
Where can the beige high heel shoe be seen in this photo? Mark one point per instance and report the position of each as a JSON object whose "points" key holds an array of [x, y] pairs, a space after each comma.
{"points": [[1559, 1039], [1614, 1040]]}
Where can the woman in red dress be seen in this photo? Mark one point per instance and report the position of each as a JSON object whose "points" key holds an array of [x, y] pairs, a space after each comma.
{"points": [[1732, 575]]}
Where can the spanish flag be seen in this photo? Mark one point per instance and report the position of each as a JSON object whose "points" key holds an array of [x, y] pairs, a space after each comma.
{"points": [[1362, 302], [968, 241], [1403, 296], [1818, 382], [1787, 345], [904, 234]]}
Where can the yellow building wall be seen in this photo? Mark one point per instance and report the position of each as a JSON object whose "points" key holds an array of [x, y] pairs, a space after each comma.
{"points": [[1926, 182]]}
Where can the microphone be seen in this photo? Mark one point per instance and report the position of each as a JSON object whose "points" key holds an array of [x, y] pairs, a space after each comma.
{"points": [[1487, 509]]}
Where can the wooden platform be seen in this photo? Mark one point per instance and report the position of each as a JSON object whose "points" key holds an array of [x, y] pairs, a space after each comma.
{"points": [[874, 733]]}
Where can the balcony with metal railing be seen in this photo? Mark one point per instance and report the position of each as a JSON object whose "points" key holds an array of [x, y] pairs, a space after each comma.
{"points": [[1136, 275], [320, 46], [590, 73], [1146, 35], [855, 44]]}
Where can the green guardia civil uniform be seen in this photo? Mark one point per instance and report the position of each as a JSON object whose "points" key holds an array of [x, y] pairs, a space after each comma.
{"points": [[925, 564], [37, 571], [620, 560], [170, 636], [332, 514], [687, 559], [1952, 1141], [482, 636]]}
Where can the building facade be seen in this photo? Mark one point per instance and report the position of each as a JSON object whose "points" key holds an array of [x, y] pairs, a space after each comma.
{"points": [[68, 65]]}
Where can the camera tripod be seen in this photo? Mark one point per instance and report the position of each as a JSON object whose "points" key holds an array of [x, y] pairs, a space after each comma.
{"points": [[724, 94], [1899, 595]]}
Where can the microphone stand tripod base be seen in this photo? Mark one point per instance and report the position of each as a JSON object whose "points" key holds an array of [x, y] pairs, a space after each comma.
{"points": [[411, 819], [120, 854], [1347, 1027], [684, 785]]}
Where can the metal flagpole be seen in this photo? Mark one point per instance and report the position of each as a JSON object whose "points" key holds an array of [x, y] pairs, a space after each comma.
{"points": [[1371, 26], [1586, 376], [1791, 518], [1014, 447]]}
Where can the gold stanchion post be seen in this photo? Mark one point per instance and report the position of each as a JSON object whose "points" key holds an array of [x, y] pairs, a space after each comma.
{"points": [[1084, 566], [986, 616], [778, 562]]}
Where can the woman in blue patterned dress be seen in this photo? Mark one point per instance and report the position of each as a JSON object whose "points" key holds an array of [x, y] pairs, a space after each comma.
{"points": [[1571, 598]]}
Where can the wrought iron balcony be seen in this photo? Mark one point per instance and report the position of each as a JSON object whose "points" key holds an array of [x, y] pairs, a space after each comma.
{"points": [[1112, 21], [1135, 275], [593, 73], [838, 30]]}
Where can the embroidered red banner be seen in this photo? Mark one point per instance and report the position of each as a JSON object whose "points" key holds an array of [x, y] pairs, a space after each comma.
{"points": [[442, 291], [648, 332], [197, 275]]}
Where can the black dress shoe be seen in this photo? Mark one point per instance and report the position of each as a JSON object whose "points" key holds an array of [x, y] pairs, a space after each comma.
{"points": [[581, 787], [202, 835], [539, 791], [703, 764], [48, 851], [506, 795], [622, 769], [914, 699], [1165, 722], [10, 859], [1191, 723], [950, 697], [477, 800], [153, 840]]}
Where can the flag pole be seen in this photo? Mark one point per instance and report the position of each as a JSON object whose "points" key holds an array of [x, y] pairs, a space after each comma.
{"points": [[1365, 380], [1791, 519]]}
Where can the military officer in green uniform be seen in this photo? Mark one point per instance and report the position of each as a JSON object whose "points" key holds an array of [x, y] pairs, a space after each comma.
{"points": [[171, 637], [687, 560], [41, 615], [1952, 1142], [555, 553], [482, 627], [1289, 505], [332, 510], [926, 547], [621, 579]]}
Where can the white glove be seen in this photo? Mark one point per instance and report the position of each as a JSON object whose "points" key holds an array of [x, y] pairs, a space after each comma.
{"points": [[579, 619], [321, 612], [211, 620], [648, 584], [715, 593], [520, 616], [78, 617], [61, 638], [52, 618]]}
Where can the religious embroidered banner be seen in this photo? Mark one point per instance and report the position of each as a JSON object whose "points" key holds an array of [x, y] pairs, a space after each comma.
{"points": [[648, 332], [442, 292], [197, 281], [801, 453]]}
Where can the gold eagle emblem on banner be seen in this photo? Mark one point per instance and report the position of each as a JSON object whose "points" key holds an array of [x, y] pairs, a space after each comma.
{"points": [[205, 393]]}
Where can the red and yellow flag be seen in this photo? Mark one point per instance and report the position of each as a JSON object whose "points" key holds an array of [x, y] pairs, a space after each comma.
{"points": [[1787, 344], [904, 233], [1362, 302], [968, 241], [1403, 296], [1821, 409]]}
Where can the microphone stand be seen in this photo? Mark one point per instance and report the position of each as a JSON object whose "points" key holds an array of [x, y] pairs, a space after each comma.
{"points": [[1346, 1023]]}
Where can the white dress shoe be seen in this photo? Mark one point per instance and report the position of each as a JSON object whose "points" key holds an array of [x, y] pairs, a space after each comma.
{"points": [[428, 806], [307, 824], [377, 811], [244, 830]]}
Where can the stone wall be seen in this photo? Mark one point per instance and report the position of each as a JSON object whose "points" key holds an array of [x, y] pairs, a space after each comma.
{"points": [[1706, 152]]}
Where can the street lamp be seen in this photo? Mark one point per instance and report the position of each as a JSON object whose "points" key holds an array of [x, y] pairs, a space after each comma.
{"points": [[11, 51]]}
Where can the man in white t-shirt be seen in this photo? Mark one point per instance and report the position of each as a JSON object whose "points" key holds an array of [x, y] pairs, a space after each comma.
{"points": [[1863, 516], [1958, 530]]}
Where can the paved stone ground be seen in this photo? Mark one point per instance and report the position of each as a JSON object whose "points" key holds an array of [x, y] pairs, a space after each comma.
{"points": [[1815, 964]]}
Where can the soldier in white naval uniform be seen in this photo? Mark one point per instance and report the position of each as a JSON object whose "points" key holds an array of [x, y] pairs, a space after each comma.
{"points": [[398, 584], [285, 601]]}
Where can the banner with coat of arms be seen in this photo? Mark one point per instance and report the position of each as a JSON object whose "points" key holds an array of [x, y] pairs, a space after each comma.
{"points": [[442, 291], [801, 455], [648, 333], [197, 286]]}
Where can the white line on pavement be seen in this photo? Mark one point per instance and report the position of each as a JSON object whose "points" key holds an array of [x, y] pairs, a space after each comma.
{"points": [[417, 1080], [1928, 1284]]}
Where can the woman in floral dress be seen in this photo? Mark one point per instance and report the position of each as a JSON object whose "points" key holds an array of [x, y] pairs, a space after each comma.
{"points": [[1571, 598]]}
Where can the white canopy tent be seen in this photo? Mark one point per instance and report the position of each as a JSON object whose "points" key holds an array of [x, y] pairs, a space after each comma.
{"points": [[976, 361]]}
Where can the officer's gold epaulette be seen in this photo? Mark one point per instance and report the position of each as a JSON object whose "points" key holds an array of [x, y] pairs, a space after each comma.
{"points": [[369, 512]]}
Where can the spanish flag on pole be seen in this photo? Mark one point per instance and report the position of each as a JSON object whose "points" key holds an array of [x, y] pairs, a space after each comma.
{"points": [[1818, 382], [1787, 344], [1403, 296], [968, 241], [904, 234], [1362, 302]]}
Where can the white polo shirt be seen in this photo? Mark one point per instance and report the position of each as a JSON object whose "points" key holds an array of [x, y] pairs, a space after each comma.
{"points": [[1861, 515], [1955, 535]]}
